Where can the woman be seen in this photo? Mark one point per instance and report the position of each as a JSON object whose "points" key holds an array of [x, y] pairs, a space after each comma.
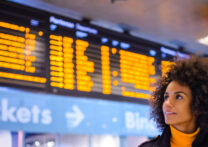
{"points": [[180, 105]]}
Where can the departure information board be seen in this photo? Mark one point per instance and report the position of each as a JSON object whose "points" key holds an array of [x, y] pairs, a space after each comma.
{"points": [[168, 57], [83, 60], [67, 56], [22, 52]]}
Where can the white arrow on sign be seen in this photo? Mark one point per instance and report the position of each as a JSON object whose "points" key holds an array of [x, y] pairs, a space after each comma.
{"points": [[74, 118]]}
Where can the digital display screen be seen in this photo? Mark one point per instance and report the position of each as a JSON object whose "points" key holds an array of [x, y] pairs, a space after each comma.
{"points": [[83, 59], [22, 52], [167, 58], [69, 56]]}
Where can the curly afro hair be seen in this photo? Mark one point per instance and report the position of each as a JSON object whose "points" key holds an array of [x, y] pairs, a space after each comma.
{"points": [[192, 72]]}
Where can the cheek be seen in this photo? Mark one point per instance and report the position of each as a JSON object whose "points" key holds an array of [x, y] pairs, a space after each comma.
{"points": [[186, 111], [163, 106]]}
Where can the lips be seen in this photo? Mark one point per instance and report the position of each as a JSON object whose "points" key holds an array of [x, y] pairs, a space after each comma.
{"points": [[169, 113]]}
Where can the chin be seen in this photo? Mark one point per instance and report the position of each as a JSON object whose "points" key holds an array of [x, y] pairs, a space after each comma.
{"points": [[169, 122]]}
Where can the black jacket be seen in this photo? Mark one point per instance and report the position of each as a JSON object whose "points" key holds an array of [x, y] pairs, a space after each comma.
{"points": [[164, 140]]}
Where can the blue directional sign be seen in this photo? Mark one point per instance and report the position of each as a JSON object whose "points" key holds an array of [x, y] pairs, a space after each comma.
{"points": [[38, 112]]}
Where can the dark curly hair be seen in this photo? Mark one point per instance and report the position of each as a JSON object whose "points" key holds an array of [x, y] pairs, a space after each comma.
{"points": [[192, 72]]}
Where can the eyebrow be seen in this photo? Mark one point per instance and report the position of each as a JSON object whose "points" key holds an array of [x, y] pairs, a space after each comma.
{"points": [[178, 92]]}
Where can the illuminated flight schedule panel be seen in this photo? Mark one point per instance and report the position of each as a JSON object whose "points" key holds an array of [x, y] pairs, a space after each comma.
{"points": [[22, 52], [71, 57], [167, 58], [83, 60]]}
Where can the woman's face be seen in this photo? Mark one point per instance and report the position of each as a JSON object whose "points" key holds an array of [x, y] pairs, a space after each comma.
{"points": [[177, 105]]}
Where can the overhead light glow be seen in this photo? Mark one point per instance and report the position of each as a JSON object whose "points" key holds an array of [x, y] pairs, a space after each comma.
{"points": [[50, 143], [204, 40], [37, 143]]}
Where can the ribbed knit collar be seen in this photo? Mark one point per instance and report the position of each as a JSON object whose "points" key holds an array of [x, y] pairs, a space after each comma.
{"points": [[179, 138]]}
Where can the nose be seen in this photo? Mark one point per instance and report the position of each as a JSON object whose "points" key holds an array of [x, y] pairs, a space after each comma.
{"points": [[169, 102]]}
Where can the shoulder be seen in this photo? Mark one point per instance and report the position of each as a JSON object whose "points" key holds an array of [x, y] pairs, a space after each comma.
{"points": [[150, 142]]}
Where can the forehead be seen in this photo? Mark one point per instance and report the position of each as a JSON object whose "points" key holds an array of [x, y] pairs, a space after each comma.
{"points": [[175, 86]]}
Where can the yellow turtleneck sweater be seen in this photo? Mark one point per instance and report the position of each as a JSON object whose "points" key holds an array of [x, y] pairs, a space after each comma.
{"points": [[180, 139]]}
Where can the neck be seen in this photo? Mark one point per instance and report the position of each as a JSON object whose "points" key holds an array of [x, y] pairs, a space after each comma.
{"points": [[188, 129]]}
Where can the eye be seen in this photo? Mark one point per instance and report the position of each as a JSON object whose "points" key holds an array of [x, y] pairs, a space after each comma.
{"points": [[166, 97], [178, 97]]}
